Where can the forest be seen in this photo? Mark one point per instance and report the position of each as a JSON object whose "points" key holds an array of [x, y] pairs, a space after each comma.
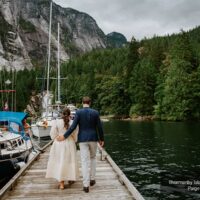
{"points": [[158, 77]]}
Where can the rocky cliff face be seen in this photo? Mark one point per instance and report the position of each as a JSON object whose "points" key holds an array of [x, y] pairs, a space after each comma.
{"points": [[24, 26]]}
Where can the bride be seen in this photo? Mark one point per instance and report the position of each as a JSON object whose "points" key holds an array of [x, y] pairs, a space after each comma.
{"points": [[62, 164]]}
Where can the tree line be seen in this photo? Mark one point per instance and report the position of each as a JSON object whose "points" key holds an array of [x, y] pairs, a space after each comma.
{"points": [[159, 77]]}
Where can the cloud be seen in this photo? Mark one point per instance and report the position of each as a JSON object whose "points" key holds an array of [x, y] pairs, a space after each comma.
{"points": [[140, 18]]}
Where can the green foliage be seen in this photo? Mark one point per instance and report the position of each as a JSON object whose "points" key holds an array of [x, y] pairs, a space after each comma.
{"points": [[141, 88], [98, 74], [158, 76], [181, 48], [178, 92], [27, 26], [23, 82], [132, 57]]}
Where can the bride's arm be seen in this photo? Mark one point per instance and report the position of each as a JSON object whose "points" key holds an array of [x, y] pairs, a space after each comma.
{"points": [[54, 130]]}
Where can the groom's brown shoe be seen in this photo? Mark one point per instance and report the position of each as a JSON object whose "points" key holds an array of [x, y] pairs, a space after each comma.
{"points": [[86, 189], [92, 182], [71, 182]]}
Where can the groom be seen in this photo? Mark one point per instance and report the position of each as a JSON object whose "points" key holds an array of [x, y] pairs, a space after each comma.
{"points": [[90, 131]]}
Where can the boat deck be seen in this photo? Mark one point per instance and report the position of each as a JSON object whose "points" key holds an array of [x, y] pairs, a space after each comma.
{"points": [[30, 183]]}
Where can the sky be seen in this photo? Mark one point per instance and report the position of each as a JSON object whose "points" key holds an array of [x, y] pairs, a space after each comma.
{"points": [[139, 18]]}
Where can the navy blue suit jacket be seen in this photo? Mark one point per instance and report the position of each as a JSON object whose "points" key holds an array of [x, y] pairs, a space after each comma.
{"points": [[90, 128]]}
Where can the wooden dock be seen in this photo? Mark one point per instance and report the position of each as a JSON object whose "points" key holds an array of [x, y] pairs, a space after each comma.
{"points": [[30, 182]]}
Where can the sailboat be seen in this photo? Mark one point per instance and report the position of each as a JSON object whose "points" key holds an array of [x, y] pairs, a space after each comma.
{"points": [[41, 128], [15, 145]]}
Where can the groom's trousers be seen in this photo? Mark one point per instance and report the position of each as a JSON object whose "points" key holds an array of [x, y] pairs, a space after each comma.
{"points": [[88, 161]]}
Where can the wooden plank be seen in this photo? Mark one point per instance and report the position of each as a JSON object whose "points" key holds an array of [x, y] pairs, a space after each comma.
{"points": [[83, 196], [122, 176], [32, 184], [53, 184], [93, 194]]}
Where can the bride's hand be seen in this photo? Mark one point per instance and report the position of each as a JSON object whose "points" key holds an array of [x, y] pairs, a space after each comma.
{"points": [[101, 143], [60, 138]]}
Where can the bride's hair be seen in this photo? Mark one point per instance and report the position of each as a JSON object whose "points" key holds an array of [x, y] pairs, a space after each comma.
{"points": [[66, 114]]}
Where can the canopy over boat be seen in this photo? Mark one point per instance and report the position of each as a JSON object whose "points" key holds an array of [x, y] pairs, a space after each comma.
{"points": [[13, 116]]}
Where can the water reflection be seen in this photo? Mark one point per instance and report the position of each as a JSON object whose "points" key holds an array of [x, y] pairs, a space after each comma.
{"points": [[152, 153]]}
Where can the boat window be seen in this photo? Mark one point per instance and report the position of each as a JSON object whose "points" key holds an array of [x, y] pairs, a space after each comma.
{"points": [[2, 146], [14, 143], [14, 126], [9, 146], [20, 142], [3, 125]]}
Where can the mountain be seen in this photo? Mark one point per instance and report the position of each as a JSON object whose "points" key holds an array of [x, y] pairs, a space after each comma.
{"points": [[116, 40], [24, 33]]}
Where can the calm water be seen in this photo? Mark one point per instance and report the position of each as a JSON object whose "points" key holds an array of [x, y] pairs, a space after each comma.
{"points": [[156, 155]]}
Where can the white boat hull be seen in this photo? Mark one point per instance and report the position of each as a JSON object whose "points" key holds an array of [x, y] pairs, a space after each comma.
{"points": [[41, 131]]}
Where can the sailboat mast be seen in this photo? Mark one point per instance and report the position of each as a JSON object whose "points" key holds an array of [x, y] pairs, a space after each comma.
{"points": [[49, 49], [49, 57], [59, 100]]}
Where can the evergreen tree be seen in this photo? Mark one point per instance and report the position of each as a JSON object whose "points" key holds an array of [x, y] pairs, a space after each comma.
{"points": [[142, 86], [176, 101], [132, 57]]}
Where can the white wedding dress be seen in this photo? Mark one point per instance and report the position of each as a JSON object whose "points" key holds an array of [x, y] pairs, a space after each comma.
{"points": [[62, 164]]}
